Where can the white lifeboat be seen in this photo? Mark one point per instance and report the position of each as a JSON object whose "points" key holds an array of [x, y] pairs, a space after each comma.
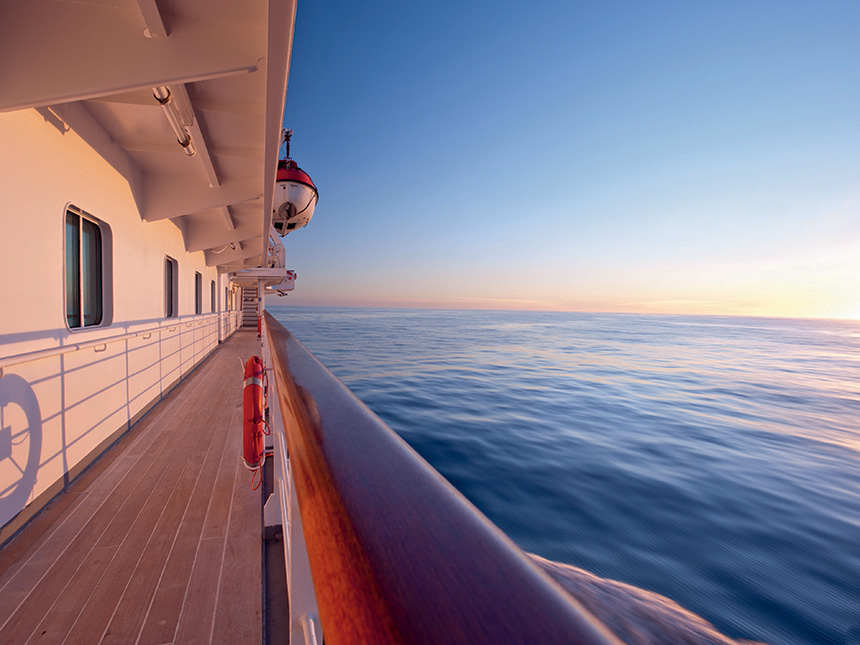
{"points": [[295, 195]]}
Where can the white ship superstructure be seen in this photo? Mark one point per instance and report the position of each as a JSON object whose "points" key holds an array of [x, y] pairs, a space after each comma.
{"points": [[153, 132]]}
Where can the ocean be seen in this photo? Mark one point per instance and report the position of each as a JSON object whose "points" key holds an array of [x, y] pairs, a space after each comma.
{"points": [[714, 460]]}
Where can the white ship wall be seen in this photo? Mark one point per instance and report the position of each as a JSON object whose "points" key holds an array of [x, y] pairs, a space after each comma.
{"points": [[58, 413]]}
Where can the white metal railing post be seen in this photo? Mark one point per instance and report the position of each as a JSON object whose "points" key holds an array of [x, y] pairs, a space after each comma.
{"points": [[309, 629], [277, 506], [300, 583]]}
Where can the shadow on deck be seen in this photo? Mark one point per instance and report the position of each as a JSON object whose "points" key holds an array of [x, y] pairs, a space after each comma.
{"points": [[160, 541]]}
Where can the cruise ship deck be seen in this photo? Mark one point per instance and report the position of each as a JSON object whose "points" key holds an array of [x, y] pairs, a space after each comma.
{"points": [[160, 540]]}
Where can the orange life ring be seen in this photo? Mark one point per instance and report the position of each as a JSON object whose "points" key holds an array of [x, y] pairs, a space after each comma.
{"points": [[253, 454]]}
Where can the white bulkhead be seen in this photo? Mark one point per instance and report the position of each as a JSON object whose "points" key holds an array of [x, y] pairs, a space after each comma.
{"points": [[138, 158], [59, 410]]}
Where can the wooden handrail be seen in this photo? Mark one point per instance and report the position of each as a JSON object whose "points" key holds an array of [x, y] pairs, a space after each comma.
{"points": [[396, 553]]}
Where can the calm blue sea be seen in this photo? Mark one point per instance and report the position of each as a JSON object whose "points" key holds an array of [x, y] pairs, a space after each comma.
{"points": [[713, 460]]}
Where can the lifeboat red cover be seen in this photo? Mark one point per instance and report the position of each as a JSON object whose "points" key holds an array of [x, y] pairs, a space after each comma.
{"points": [[288, 170]]}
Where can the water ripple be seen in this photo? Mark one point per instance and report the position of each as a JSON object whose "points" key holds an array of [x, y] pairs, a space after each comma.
{"points": [[711, 460]]}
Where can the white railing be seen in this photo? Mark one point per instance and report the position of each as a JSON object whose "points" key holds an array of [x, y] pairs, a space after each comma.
{"points": [[100, 344]]}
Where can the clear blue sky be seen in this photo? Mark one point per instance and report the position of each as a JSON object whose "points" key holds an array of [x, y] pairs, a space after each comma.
{"points": [[593, 156]]}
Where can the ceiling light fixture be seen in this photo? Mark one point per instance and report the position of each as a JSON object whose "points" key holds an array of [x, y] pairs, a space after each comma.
{"points": [[162, 95]]}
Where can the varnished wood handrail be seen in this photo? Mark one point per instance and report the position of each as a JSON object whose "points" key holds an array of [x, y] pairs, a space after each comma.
{"points": [[396, 553]]}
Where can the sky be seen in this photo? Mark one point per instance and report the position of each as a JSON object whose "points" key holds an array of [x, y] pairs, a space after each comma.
{"points": [[654, 157]]}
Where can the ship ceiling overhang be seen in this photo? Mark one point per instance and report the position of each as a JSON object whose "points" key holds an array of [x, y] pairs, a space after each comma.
{"points": [[92, 66]]}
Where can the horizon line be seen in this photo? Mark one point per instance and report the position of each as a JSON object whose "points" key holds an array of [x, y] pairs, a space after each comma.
{"points": [[415, 307]]}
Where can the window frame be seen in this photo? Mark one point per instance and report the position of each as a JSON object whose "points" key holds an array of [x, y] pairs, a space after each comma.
{"points": [[92, 274], [198, 293], [171, 288]]}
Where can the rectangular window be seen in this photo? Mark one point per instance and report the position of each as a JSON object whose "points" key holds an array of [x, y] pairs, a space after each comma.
{"points": [[227, 302], [84, 279], [171, 292], [198, 293], [212, 297]]}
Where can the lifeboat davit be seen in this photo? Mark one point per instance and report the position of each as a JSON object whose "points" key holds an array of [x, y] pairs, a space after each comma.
{"points": [[295, 195]]}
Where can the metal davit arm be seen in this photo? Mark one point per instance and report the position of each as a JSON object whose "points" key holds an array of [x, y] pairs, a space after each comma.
{"points": [[397, 555]]}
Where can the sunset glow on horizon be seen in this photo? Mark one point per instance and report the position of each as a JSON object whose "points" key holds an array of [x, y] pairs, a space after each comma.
{"points": [[678, 159]]}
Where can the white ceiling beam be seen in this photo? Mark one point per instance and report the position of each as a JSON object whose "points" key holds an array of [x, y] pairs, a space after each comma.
{"points": [[77, 118], [167, 196], [207, 232], [144, 97], [248, 263], [155, 27], [228, 219], [233, 106], [213, 237], [107, 52], [244, 153], [148, 145], [282, 22], [166, 146], [203, 153], [136, 97], [230, 256]]}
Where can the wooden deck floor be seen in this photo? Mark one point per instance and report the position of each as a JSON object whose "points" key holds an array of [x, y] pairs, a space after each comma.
{"points": [[159, 542]]}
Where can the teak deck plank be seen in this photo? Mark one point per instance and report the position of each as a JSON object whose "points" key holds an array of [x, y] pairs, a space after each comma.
{"points": [[44, 588], [221, 499], [178, 444], [141, 577], [240, 621], [65, 612], [67, 523], [154, 539], [130, 614], [213, 566], [198, 610], [160, 625]]}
